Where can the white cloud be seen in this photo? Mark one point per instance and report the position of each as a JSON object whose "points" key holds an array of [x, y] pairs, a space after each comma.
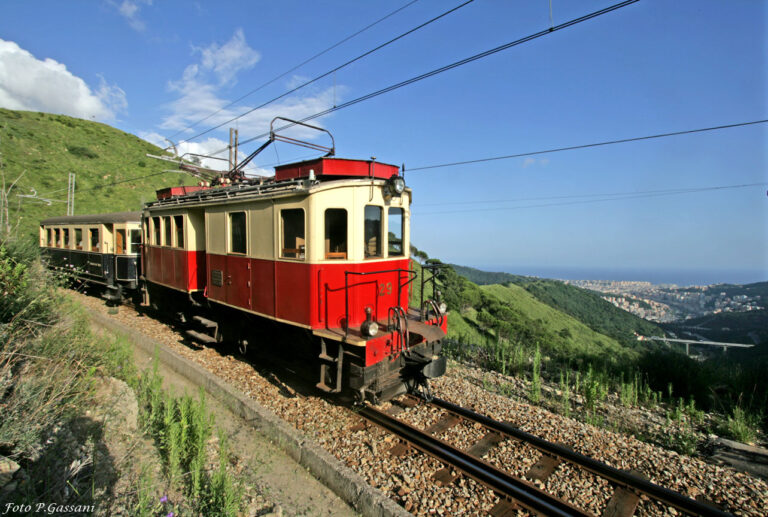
{"points": [[228, 59], [130, 9], [200, 94], [27, 83]]}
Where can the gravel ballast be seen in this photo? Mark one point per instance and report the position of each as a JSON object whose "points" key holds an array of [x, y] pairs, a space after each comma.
{"points": [[407, 479]]}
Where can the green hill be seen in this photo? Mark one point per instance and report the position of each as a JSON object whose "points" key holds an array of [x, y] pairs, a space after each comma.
{"points": [[568, 334], [112, 172], [495, 317], [481, 277], [589, 308], [583, 305]]}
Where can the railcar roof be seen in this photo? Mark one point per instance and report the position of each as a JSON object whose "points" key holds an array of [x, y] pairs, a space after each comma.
{"points": [[113, 217]]}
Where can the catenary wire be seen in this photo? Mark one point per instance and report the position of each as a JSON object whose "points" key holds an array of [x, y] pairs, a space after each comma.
{"points": [[340, 42], [586, 146], [329, 72], [638, 195], [451, 66]]}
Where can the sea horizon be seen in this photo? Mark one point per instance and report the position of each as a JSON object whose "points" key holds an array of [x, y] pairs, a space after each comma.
{"points": [[658, 276]]}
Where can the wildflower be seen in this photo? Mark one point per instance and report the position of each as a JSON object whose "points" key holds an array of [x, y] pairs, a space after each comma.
{"points": [[164, 499]]}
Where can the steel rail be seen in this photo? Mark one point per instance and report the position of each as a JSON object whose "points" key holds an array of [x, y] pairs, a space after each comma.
{"points": [[501, 482], [657, 492]]}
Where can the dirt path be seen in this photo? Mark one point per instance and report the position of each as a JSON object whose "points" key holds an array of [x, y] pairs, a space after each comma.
{"points": [[282, 481]]}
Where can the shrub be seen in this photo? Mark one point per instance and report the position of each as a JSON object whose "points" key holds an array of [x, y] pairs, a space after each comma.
{"points": [[82, 152]]}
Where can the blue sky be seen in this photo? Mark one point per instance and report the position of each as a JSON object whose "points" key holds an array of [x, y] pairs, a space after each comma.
{"points": [[154, 67]]}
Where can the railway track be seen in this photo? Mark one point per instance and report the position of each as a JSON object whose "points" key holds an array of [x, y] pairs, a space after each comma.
{"points": [[408, 478], [518, 492]]}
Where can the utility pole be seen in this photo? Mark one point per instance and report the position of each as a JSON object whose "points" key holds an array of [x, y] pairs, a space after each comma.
{"points": [[71, 194], [232, 148]]}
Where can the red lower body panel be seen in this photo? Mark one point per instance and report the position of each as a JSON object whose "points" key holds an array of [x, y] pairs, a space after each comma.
{"points": [[314, 295], [177, 268]]}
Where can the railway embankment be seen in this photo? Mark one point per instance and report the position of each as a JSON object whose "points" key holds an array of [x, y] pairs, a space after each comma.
{"points": [[407, 479]]}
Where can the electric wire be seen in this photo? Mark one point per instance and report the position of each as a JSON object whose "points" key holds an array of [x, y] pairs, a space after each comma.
{"points": [[296, 67], [326, 74], [586, 146], [619, 197], [451, 66]]}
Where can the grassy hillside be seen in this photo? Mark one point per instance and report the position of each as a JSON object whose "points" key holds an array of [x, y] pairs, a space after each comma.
{"points": [[592, 310], [583, 305], [43, 149], [481, 277], [569, 334]]}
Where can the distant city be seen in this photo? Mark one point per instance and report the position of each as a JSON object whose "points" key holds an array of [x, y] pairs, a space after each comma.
{"points": [[668, 302]]}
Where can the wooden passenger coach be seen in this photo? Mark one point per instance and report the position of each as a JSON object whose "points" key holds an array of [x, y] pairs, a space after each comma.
{"points": [[100, 248]]}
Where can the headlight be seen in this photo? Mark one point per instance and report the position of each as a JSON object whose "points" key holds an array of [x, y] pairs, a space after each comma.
{"points": [[397, 185], [443, 308], [369, 328]]}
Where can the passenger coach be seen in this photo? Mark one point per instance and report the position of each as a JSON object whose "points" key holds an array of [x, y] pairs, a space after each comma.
{"points": [[100, 248]]}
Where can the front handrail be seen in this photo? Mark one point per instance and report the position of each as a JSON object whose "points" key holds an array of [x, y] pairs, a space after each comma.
{"points": [[433, 270], [400, 286]]}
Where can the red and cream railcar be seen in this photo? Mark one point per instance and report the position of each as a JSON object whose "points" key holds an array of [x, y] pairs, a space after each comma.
{"points": [[324, 248]]}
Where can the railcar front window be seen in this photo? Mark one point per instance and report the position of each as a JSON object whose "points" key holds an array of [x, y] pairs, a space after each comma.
{"points": [[79, 238], [293, 245], [372, 231], [178, 222], [95, 240], [335, 233], [395, 237], [156, 231], [167, 233], [135, 241], [65, 237], [237, 243]]}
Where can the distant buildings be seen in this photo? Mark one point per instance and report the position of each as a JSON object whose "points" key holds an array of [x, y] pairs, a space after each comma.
{"points": [[668, 302]]}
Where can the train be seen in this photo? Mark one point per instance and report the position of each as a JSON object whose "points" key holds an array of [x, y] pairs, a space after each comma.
{"points": [[313, 261]]}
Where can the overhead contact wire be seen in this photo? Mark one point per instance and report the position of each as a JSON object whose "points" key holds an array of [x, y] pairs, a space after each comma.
{"points": [[637, 195], [586, 146], [326, 74], [296, 67], [455, 64]]}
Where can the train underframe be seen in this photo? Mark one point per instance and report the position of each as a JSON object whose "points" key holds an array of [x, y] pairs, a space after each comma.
{"points": [[337, 367]]}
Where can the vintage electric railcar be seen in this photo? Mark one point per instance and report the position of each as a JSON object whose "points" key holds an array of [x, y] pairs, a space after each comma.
{"points": [[323, 248], [100, 248], [320, 252]]}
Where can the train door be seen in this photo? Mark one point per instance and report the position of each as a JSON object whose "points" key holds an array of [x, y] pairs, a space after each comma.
{"points": [[120, 242], [238, 264]]}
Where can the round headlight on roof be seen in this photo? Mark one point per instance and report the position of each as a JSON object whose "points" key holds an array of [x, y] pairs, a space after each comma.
{"points": [[398, 184]]}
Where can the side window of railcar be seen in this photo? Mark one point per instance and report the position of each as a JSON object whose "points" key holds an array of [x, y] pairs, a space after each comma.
{"points": [[79, 238], [156, 231], [135, 241], [293, 245], [372, 231], [65, 238], [57, 238], [237, 232], [178, 223], [335, 233], [395, 237], [94, 239], [49, 242], [167, 232]]}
